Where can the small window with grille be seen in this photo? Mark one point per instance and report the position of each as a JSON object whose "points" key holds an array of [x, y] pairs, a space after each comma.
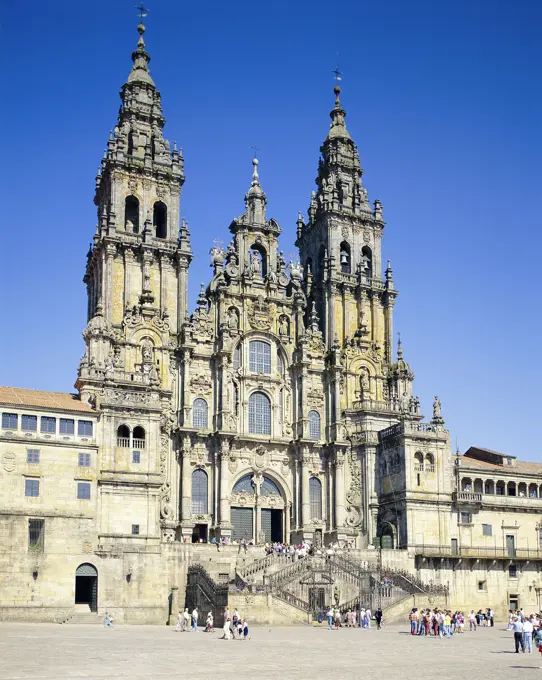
{"points": [[136, 456], [83, 491], [32, 488], [32, 456], [260, 357], [84, 428], [135, 529], [48, 424], [66, 426], [84, 460], [36, 531]]}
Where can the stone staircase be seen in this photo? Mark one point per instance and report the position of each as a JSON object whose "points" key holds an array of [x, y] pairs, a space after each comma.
{"points": [[85, 618]]}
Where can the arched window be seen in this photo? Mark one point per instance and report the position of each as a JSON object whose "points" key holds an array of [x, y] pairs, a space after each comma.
{"points": [[345, 258], [280, 364], [244, 485], [138, 441], [512, 489], [418, 462], [533, 491], [130, 143], [366, 261], [466, 484], [489, 487], [314, 425], [159, 219], [237, 357], [315, 494], [429, 462], [259, 357], [123, 436], [199, 492], [131, 215], [259, 413], [200, 414], [269, 488]]}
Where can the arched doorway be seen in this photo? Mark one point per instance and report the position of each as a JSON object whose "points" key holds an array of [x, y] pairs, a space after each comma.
{"points": [[257, 509], [86, 586], [387, 537]]}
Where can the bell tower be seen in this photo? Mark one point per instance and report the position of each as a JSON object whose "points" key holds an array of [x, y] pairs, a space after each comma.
{"points": [[136, 278]]}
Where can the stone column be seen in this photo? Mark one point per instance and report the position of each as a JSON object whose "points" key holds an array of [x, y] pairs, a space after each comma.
{"points": [[128, 259], [305, 496], [186, 483], [174, 605], [287, 507], [108, 292], [339, 489], [225, 521], [369, 495], [182, 290]]}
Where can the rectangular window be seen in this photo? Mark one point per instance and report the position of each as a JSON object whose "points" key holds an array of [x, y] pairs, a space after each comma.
{"points": [[482, 585], [36, 532], [260, 357], [32, 456], [9, 421], [135, 529], [465, 518], [84, 460], [512, 571], [48, 424], [84, 428], [32, 487], [66, 426], [83, 491], [29, 423], [136, 456], [487, 529]]}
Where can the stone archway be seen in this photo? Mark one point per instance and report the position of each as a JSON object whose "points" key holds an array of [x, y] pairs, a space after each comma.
{"points": [[258, 508], [86, 586]]}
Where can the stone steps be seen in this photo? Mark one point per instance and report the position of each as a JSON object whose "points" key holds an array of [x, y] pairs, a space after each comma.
{"points": [[85, 618]]}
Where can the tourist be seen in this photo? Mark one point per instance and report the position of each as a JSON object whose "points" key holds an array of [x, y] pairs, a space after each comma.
{"points": [[329, 616], [186, 621], [517, 627], [209, 623], [368, 616], [448, 624], [472, 620], [378, 618], [226, 629], [528, 635], [362, 617], [245, 630], [195, 620], [510, 620], [108, 621], [180, 620], [538, 640], [413, 618], [349, 619], [337, 618], [354, 618]]}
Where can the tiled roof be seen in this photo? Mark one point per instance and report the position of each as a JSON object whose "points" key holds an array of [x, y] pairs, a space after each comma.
{"points": [[55, 401], [519, 467]]}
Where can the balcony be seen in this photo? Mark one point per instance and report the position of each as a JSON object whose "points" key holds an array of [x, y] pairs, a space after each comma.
{"points": [[467, 498], [476, 552], [123, 442], [138, 443]]}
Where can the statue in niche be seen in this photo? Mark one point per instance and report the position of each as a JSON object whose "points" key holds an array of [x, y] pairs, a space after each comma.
{"points": [[255, 263], [233, 319], [365, 384], [232, 253], [284, 327], [147, 352], [281, 262]]}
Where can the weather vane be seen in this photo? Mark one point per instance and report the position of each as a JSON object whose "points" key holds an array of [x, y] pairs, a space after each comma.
{"points": [[338, 74], [143, 11], [255, 149]]}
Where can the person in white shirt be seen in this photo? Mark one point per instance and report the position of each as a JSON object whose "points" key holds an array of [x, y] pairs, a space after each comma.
{"points": [[368, 618], [528, 636], [517, 627], [472, 620], [195, 620]]}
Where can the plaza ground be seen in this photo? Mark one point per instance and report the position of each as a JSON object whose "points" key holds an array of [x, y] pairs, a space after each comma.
{"points": [[47, 651]]}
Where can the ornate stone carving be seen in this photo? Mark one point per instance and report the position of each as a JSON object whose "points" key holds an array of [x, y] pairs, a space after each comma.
{"points": [[201, 384], [259, 315], [8, 461], [260, 459]]}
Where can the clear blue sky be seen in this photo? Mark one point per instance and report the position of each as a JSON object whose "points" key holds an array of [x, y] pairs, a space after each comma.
{"points": [[443, 99]]}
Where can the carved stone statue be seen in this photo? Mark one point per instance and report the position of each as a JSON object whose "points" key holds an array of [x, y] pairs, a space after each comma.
{"points": [[147, 352], [233, 319], [281, 262], [284, 328], [436, 409], [255, 263]]}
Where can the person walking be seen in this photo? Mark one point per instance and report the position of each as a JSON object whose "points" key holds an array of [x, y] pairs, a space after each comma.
{"points": [[378, 618], [472, 620], [368, 616], [329, 616], [195, 620], [517, 627], [186, 620], [528, 635], [180, 620]]}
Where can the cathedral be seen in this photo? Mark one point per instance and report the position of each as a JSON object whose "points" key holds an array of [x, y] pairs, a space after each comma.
{"points": [[278, 410]]}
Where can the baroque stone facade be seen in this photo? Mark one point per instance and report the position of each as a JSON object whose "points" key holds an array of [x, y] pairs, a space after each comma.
{"points": [[277, 410]]}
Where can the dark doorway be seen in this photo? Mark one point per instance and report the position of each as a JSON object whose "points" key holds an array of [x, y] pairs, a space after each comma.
{"points": [[86, 586], [455, 548], [510, 546], [317, 603], [272, 525], [199, 534], [241, 519]]}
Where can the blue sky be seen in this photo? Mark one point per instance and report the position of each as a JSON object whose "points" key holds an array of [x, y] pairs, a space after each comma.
{"points": [[443, 100]]}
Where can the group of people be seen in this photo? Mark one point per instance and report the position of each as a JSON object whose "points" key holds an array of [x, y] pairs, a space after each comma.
{"points": [[351, 618], [187, 621], [235, 627], [527, 629], [439, 622], [293, 551]]}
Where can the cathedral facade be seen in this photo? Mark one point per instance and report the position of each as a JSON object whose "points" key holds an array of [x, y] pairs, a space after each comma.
{"points": [[277, 410]]}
